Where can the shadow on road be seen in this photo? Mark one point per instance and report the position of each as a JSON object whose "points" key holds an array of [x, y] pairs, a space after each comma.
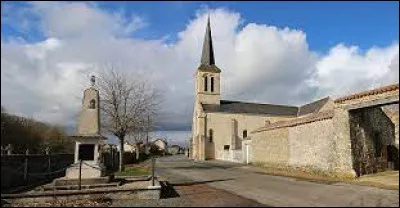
{"points": [[199, 182], [167, 190]]}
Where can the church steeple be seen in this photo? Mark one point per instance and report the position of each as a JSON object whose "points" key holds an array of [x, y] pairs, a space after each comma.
{"points": [[208, 74], [207, 57], [207, 61]]}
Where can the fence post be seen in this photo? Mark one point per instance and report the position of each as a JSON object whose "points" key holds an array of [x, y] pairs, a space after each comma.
{"points": [[9, 149], [48, 160], [153, 159], [80, 174], [26, 165], [112, 157]]}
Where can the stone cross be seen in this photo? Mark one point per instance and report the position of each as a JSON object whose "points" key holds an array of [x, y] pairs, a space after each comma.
{"points": [[92, 80]]}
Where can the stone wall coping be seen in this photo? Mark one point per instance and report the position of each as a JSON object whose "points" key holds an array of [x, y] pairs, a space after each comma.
{"points": [[79, 192], [81, 136], [323, 115], [375, 91]]}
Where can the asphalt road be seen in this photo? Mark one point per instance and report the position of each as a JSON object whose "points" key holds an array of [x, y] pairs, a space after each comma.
{"points": [[270, 190]]}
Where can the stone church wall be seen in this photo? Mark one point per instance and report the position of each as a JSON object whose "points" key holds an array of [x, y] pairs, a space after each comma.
{"points": [[221, 123]]}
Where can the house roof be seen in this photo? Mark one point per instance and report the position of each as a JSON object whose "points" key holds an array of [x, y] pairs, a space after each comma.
{"points": [[250, 108], [298, 121], [375, 91], [312, 107]]}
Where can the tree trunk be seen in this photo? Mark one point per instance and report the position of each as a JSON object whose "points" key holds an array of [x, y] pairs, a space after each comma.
{"points": [[137, 152], [121, 154]]}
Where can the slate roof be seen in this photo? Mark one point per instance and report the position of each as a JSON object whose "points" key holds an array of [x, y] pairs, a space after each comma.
{"points": [[209, 68], [207, 56], [312, 107], [251, 108], [207, 61]]}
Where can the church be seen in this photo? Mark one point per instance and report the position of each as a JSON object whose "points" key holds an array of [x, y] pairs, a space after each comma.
{"points": [[221, 128], [329, 135]]}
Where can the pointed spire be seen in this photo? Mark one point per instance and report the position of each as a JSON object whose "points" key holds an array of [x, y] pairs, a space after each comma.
{"points": [[207, 57]]}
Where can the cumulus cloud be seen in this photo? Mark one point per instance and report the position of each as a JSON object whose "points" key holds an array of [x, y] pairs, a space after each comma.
{"points": [[346, 70], [259, 62]]}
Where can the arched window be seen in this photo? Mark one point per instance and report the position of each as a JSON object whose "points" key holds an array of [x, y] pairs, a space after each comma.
{"points": [[92, 104], [212, 84], [210, 132], [205, 83], [245, 134]]}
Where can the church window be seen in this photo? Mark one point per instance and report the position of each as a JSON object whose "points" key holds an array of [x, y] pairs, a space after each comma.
{"points": [[205, 84], [92, 104], [245, 134], [212, 84], [210, 132], [226, 147]]}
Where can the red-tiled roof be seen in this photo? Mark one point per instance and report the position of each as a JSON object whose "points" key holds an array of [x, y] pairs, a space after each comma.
{"points": [[298, 121], [369, 92]]}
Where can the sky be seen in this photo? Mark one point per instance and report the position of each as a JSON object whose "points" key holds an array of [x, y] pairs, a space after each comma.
{"points": [[287, 53]]}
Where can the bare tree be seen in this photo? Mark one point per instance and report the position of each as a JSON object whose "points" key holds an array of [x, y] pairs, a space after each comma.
{"points": [[126, 103]]}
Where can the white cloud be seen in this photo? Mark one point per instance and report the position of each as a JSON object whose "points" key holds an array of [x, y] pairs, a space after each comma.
{"points": [[259, 62], [346, 70]]}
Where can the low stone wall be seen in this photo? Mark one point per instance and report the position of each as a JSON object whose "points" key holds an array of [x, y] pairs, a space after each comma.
{"points": [[140, 190], [309, 145], [271, 147]]}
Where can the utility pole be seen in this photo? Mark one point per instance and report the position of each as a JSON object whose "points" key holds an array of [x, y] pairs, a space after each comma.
{"points": [[147, 130], [147, 134]]}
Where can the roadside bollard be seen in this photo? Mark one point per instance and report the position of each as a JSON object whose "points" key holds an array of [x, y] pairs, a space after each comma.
{"points": [[26, 165], [153, 161], [80, 174]]}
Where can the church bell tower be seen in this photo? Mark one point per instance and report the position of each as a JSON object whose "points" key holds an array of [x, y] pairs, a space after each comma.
{"points": [[208, 74], [207, 92]]}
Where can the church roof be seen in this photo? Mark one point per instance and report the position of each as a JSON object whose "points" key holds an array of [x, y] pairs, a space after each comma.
{"points": [[207, 62], [312, 107], [228, 106], [318, 116]]}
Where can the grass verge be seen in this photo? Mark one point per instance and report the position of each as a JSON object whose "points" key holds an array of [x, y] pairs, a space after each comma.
{"points": [[134, 171]]}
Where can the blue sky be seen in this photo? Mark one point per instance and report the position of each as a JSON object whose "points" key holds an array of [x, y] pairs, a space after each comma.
{"points": [[364, 24]]}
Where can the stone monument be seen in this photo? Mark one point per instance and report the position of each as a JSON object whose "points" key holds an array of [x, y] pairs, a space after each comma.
{"points": [[88, 140]]}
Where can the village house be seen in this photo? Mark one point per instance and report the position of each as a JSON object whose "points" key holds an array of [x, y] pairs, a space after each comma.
{"points": [[355, 134]]}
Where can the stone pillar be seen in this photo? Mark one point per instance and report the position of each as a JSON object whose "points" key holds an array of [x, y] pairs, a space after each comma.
{"points": [[194, 147], [233, 134], [203, 148], [76, 155], [96, 154], [201, 144], [341, 149]]}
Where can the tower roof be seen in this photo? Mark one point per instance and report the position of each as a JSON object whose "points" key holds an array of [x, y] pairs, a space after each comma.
{"points": [[207, 62]]}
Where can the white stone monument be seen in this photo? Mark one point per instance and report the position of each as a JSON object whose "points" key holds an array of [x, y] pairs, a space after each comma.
{"points": [[88, 139]]}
